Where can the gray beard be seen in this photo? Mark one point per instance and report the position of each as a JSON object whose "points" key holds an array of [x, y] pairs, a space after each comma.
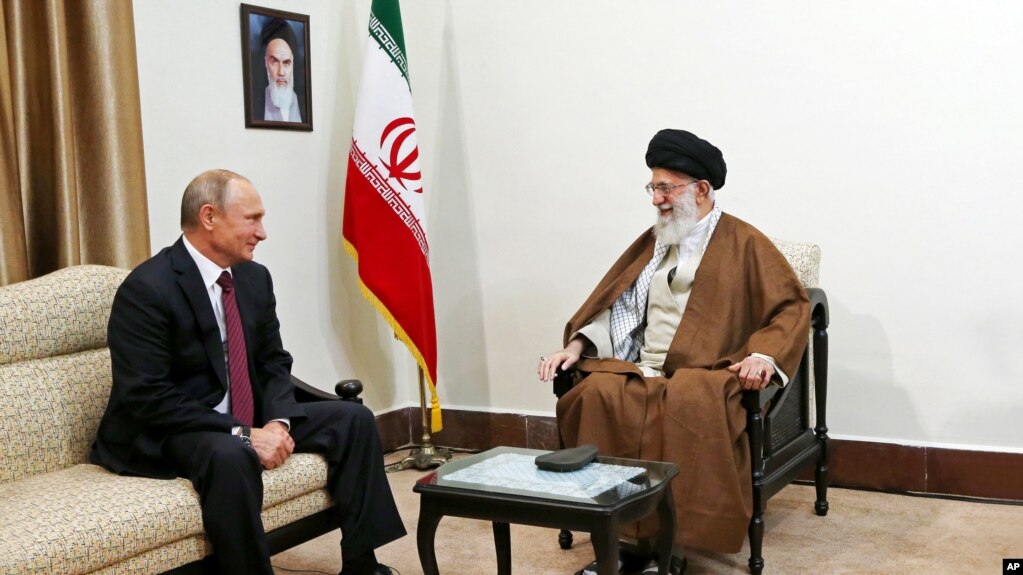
{"points": [[281, 96], [684, 217]]}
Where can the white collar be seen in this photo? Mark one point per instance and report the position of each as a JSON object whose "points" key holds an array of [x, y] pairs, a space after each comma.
{"points": [[700, 229], [698, 234], [209, 271]]}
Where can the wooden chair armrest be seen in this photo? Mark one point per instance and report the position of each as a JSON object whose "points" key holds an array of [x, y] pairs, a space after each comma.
{"points": [[563, 381], [819, 318], [756, 399], [345, 390]]}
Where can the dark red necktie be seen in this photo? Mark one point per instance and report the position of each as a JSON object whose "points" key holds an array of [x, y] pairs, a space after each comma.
{"points": [[237, 356]]}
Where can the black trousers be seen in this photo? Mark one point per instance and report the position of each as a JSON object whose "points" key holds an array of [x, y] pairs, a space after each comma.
{"points": [[228, 477]]}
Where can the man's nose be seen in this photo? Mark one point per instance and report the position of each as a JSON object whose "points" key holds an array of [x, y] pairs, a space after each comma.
{"points": [[260, 232]]}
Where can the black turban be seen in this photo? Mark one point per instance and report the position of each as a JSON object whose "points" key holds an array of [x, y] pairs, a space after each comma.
{"points": [[684, 152], [279, 28]]}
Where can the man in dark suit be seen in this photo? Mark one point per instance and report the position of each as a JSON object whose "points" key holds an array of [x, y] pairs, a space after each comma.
{"points": [[202, 390]]}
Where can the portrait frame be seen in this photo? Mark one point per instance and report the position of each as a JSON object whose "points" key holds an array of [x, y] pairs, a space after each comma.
{"points": [[287, 32]]}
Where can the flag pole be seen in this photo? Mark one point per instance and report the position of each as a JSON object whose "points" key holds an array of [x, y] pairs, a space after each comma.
{"points": [[427, 455]]}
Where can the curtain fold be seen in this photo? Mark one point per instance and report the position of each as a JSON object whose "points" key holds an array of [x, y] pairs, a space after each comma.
{"points": [[73, 184]]}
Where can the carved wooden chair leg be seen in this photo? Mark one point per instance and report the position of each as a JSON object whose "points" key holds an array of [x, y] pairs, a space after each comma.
{"points": [[820, 476], [821, 482], [820, 359], [756, 535], [565, 539]]}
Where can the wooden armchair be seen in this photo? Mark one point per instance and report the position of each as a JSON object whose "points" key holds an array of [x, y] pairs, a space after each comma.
{"points": [[784, 441]]}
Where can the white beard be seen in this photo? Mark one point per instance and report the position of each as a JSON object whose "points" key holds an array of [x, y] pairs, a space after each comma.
{"points": [[281, 96], [671, 229]]}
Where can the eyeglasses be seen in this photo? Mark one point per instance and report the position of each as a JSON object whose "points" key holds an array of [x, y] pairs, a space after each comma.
{"points": [[665, 189]]}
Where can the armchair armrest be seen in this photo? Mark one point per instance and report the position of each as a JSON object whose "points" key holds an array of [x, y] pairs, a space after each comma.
{"points": [[757, 399], [819, 318], [563, 381], [345, 390]]}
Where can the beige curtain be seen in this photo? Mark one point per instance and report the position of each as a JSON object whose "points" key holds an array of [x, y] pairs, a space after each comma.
{"points": [[72, 178]]}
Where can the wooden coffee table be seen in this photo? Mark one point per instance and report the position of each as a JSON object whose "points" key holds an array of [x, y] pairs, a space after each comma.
{"points": [[472, 493]]}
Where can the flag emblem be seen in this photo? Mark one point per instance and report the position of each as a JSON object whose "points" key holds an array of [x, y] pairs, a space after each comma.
{"points": [[403, 160]]}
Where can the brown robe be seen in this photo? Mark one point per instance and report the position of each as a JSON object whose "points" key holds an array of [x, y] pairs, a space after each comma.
{"points": [[745, 298]]}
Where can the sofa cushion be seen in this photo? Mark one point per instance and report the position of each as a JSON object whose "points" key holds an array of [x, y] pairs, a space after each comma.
{"points": [[62, 312], [161, 559], [301, 473], [49, 411], [84, 518], [54, 368]]}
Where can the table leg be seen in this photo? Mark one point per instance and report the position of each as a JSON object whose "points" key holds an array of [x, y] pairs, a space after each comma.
{"points": [[502, 541], [605, 546], [666, 534], [425, 534]]}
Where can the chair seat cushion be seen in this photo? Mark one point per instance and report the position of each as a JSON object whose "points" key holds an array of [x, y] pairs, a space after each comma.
{"points": [[84, 518]]}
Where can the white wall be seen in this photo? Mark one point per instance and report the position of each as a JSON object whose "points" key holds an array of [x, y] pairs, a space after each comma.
{"points": [[885, 132], [193, 120]]}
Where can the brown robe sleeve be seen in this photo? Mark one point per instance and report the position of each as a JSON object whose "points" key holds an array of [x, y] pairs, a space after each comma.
{"points": [[783, 307]]}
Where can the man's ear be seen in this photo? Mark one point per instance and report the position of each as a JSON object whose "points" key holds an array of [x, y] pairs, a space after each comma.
{"points": [[702, 189], [207, 214]]}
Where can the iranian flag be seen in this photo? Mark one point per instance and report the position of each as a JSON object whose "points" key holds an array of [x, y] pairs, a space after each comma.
{"points": [[384, 226]]}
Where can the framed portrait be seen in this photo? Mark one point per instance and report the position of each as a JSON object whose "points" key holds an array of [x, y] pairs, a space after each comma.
{"points": [[276, 70]]}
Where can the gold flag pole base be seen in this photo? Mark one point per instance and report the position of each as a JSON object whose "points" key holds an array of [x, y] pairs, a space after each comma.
{"points": [[427, 455]]}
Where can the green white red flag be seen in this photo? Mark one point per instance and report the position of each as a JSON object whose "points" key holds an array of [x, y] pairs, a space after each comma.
{"points": [[384, 226]]}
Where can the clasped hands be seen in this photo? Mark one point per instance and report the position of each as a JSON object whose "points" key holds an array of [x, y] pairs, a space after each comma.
{"points": [[273, 444]]}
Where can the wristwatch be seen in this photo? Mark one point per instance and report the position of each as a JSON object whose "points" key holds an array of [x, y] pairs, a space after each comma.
{"points": [[245, 433]]}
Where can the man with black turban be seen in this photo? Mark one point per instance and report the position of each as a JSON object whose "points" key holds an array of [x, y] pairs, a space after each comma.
{"points": [[698, 308], [281, 102]]}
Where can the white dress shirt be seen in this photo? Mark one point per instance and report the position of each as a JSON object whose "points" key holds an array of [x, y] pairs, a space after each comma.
{"points": [[210, 273]]}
